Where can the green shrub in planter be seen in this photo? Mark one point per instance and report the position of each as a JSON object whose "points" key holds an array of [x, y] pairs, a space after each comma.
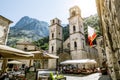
{"points": [[59, 77], [51, 76]]}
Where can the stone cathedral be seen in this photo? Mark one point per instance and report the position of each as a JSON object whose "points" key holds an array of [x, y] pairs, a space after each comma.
{"points": [[74, 47]]}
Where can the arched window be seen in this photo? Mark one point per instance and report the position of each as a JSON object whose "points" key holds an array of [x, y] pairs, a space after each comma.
{"points": [[119, 62], [52, 48], [75, 45], [25, 49], [68, 45], [53, 21], [52, 35], [59, 33], [59, 49], [83, 43], [74, 28], [73, 13]]}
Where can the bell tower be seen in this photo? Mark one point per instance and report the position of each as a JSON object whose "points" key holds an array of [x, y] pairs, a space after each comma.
{"points": [[76, 30], [55, 40]]}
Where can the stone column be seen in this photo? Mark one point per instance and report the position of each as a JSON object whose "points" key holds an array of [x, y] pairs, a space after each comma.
{"points": [[31, 62]]}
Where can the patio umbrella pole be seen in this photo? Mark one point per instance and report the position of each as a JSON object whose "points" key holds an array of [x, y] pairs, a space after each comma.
{"points": [[31, 62], [43, 64], [4, 64]]}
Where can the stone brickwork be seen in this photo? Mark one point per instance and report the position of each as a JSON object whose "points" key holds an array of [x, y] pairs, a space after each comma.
{"points": [[92, 52], [76, 30], [109, 13], [26, 46], [66, 44], [101, 50]]}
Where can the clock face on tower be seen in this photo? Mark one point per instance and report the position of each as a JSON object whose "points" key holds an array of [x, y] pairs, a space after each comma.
{"points": [[1, 31]]}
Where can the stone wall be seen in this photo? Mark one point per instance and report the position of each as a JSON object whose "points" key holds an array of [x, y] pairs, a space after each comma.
{"points": [[66, 44], [26, 46], [109, 13], [91, 52], [101, 50]]}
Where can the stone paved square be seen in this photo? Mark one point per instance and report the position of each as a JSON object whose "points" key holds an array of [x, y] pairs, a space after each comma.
{"points": [[95, 76]]}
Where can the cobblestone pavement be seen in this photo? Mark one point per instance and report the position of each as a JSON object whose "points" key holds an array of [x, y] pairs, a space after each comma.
{"points": [[95, 76]]}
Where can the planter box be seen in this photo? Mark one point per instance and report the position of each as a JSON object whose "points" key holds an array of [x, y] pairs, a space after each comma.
{"points": [[62, 78]]}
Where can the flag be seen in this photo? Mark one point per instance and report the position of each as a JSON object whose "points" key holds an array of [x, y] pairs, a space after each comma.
{"points": [[91, 35]]}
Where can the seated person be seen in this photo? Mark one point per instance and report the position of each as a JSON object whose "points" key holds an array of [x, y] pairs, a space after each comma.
{"points": [[84, 69]]}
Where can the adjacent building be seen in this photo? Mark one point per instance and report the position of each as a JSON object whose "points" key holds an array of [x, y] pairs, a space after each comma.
{"points": [[4, 29], [26, 46]]}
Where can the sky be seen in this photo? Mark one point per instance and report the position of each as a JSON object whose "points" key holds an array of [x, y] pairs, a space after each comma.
{"points": [[44, 10]]}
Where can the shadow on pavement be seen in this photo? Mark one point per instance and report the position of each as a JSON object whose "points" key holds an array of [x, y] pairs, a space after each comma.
{"points": [[105, 77]]}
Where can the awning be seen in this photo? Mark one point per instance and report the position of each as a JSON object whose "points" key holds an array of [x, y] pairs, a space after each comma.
{"points": [[9, 52], [14, 62], [43, 55], [81, 61], [12, 53]]}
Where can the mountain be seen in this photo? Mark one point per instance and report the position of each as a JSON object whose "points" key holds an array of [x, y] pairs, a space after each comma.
{"points": [[28, 29], [37, 31]]}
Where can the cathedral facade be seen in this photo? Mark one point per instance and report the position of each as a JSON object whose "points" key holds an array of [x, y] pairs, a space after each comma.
{"points": [[74, 48]]}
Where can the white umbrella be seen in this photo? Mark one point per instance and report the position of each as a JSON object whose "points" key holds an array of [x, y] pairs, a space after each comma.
{"points": [[14, 62], [92, 61], [42, 54], [84, 61], [75, 61]]}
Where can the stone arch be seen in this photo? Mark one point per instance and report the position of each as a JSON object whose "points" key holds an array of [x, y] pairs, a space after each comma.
{"points": [[63, 57], [73, 13]]}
